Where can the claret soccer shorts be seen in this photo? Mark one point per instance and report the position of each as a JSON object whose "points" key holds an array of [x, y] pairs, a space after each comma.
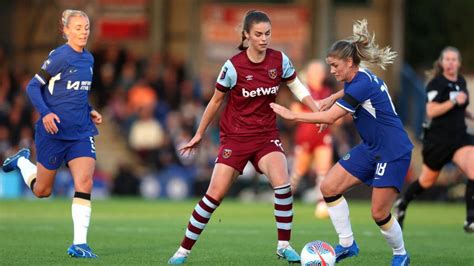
{"points": [[237, 151]]}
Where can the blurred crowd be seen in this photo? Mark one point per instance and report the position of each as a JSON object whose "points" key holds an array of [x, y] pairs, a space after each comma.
{"points": [[155, 107]]}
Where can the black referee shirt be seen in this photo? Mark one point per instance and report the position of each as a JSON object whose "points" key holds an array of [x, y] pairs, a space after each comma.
{"points": [[451, 124]]}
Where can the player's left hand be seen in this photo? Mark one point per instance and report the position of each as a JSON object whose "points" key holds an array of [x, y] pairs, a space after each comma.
{"points": [[282, 111], [96, 117]]}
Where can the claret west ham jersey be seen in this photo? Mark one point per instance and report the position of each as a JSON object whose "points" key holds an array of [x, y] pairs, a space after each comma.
{"points": [[252, 87], [66, 77], [379, 126]]}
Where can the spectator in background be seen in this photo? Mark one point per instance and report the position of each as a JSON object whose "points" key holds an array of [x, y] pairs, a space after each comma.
{"points": [[445, 138], [313, 150], [146, 134]]}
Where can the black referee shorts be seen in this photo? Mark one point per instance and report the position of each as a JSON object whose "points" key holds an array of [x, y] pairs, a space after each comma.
{"points": [[436, 154]]}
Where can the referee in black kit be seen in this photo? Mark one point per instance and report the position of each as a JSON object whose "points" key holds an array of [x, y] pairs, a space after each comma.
{"points": [[445, 137]]}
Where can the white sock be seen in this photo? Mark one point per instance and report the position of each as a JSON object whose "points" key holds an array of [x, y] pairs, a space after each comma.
{"points": [[182, 252], [283, 244], [81, 216], [394, 236], [339, 213], [27, 170]]}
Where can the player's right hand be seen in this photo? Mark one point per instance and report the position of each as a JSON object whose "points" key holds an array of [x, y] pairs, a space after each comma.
{"points": [[326, 103], [49, 122], [461, 98], [190, 147]]}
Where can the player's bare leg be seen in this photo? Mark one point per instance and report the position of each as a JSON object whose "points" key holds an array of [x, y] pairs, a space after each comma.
{"points": [[301, 164], [427, 179], [322, 163], [463, 158]]}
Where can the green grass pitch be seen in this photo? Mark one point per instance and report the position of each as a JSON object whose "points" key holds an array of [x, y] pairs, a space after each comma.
{"points": [[139, 232]]}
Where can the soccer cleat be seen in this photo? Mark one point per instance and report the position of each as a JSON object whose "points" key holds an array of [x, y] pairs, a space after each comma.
{"points": [[401, 260], [10, 163], [177, 259], [288, 254], [346, 252], [81, 251], [179, 256], [469, 227], [399, 210]]}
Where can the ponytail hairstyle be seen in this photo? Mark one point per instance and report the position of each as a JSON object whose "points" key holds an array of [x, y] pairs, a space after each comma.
{"points": [[437, 68], [250, 18], [66, 17], [361, 47]]}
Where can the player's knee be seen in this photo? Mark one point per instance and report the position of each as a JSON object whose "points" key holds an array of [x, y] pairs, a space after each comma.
{"points": [[379, 213], [470, 171], [85, 184], [328, 189], [42, 192], [427, 182]]}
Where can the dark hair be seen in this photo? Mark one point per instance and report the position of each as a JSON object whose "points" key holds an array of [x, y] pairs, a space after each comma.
{"points": [[437, 68], [361, 47], [251, 17]]}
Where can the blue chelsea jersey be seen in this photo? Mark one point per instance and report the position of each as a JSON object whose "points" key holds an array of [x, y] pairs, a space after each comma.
{"points": [[67, 92], [379, 126]]}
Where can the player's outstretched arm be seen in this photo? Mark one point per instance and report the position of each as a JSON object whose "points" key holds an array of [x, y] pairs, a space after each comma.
{"points": [[210, 112], [328, 102], [327, 117]]}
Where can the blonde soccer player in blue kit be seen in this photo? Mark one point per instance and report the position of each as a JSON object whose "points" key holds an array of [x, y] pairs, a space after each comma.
{"points": [[382, 159], [66, 128]]}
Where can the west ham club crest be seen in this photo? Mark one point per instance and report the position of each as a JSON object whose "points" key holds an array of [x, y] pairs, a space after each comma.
{"points": [[226, 153], [272, 73]]}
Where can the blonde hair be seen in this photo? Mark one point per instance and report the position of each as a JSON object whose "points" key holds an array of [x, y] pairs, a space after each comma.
{"points": [[437, 68], [66, 17], [361, 47]]}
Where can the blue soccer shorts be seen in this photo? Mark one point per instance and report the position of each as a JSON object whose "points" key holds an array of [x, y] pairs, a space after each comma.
{"points": [[52, 152], [360, 164]]}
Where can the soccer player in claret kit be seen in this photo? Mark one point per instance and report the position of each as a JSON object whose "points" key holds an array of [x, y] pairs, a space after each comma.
{"points": [[248, 131], [65, 130], [382, 159]]}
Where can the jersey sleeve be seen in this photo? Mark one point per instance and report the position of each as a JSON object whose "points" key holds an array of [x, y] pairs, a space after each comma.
{"points": [[433, 92], [289, 72], [227, 77], [51, 67], [355, 93]]}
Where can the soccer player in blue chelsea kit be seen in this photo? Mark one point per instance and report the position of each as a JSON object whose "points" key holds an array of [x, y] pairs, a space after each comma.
{"points": [[382, 159], [66, 128]]}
